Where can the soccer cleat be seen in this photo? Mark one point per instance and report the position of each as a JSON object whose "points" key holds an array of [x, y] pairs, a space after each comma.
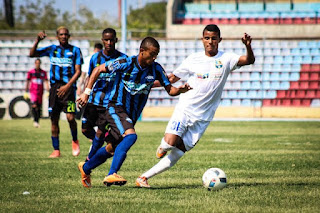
{"points": [[160, 152], [85, 179], [55, 154], [36, 125], [114, 179], [142, 182], [75, 148]]}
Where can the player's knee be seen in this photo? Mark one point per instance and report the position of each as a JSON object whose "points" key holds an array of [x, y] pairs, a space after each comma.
{"points": [[110, 149]]}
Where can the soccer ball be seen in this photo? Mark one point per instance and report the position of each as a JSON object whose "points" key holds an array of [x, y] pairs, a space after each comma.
{"points": [[214, 179]]}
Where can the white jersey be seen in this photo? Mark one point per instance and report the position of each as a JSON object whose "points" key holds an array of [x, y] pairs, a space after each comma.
{"points": [[207, 76], [86, 64]]}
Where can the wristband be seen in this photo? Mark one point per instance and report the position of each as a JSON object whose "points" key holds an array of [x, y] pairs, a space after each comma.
{"points": [[87, 91]]}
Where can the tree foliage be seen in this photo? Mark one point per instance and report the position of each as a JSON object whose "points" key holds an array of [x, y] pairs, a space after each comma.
{"points": [[151, 17]]}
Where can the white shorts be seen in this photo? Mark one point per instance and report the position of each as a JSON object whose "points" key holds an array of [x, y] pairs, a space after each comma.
{"points": [[189, 130]]}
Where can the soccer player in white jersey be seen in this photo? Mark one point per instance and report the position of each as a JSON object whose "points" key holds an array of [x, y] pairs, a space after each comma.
{"points": [[207, 73]]}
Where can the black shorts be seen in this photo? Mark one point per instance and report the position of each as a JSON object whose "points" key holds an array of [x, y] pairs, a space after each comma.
{"points": [[118, 120], [66, 103], [94, 116]]}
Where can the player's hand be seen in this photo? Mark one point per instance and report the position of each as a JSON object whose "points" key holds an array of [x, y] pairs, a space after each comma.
{"points": [[61, 92], [26, 96], [83, 99], [184, 88], [42, 35], [246, 39]]}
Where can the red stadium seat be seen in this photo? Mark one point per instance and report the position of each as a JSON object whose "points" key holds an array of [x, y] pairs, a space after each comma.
{"points": [[281, 93], [294, 85], [300, 93], [304, 76], [266, 102], [305, 67], [314, 85], [314, 67], [314, 76], [286, 102], [310, 94], [306, 102], [296, 102]]}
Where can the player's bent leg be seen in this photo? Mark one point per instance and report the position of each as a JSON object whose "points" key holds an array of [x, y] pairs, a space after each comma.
{"points": [[73, 127], [167, 143], [97, 143], [164, 164], [142, 182]]}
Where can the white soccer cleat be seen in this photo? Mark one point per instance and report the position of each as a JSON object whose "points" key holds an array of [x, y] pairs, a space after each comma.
{"points": [[142, 182]]}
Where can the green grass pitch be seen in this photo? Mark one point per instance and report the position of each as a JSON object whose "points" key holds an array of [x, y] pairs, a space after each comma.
{"points": [[270, 166]]}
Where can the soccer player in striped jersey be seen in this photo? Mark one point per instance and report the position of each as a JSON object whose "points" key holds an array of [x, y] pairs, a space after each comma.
{"points": [[35, 79], [94, 113], [65, 60], [207, 73], [133, 80]]}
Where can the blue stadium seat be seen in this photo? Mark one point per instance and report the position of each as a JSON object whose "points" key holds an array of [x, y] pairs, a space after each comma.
{"points": [[284, 85], [294, 76], [267, 67], [236, 102], [257, 103], [314, 51], [232, 94], [278, 7], [315, 59], [284, 76], [295, 68], [305, 51], [218, 7], [275, 76], [277, 68], [270, 94], [275, 85], [255, 85], [307, 59], [296, 51], [4, 59], [242, 94], [288, 59], [278, 59], [252, 94], [255, 76], [265, 76], [266, 85], [297, 59], [245, 85], [251, 7], [286, 68], [236, 85], [225, 102], [246, 102]]}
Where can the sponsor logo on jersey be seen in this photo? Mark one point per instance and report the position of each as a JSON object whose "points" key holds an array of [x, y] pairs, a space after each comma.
{"points": [[69, 53], [134, 88], [149, 78], [202, 76], [61, 62]]}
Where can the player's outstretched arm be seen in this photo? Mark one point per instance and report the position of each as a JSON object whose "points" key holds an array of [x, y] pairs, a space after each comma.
{"points": [[83, 99], [174, 91], [33, 51], [249, 57]]}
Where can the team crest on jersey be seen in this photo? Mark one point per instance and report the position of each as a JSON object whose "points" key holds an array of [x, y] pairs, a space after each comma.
{"points": [[113, 66], [218, 64]]}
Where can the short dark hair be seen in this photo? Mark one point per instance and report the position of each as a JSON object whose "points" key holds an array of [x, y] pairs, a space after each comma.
{"points": [[212, 28], [37, 59], [110, 30], [98, 46], [149, 41]]}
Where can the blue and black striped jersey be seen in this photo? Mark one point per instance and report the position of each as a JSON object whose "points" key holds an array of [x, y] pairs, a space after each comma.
{"points": [[131, 89], [102, 88], [63, 61]]}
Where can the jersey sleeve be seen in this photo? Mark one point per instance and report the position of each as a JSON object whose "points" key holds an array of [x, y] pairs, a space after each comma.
{"points": [[183, 69], [90, 67], [45, 75], [161, 75], [234, 59], [78, 57], [29, 75], [116, 65], [45, 51]]}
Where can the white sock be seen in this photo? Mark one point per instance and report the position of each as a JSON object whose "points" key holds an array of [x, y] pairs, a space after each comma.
{"points": [[165, 163], [165, 146]]}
